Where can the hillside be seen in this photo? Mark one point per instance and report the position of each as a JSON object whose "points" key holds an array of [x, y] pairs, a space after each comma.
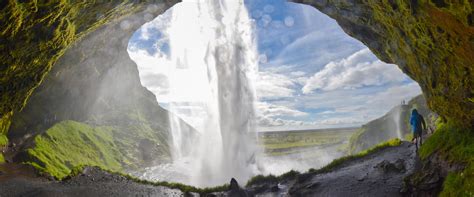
{"points": [[394, 124]]}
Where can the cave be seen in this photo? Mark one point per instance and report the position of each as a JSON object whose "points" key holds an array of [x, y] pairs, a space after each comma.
{"points": [[50, 42]]}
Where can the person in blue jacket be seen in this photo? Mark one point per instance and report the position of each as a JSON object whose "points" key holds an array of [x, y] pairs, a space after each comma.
{"points": [[418, 125]]}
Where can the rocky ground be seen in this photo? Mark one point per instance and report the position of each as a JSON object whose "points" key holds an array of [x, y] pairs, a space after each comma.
{"points": [[377, 174], [93, 182]]}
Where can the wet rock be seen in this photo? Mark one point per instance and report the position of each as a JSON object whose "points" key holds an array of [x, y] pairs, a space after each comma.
{"points": [[362, 178], [235, 190], [388, 167]]}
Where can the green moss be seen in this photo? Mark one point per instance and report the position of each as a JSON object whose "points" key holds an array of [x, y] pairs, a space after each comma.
{"points": [[452, 141], [338, 162], [69, 144], [408, 137], [456, 145], [5, 122], [460, 183], [3, 140], [355, 140], [283, 143], [432, 45]]}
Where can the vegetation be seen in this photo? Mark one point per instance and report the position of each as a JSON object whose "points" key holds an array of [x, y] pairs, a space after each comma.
{"points": [[456, 145], [338, 162], [69, 144], [282, 143], [429, 30], [4, 125], [259, 179], [3, 140]]}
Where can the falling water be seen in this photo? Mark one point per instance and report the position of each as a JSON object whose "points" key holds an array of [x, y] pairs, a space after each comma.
{"points": [[396, 118], [224, 54]]}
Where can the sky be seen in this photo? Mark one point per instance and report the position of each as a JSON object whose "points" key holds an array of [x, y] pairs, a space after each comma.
{"points": [[311, 74]]}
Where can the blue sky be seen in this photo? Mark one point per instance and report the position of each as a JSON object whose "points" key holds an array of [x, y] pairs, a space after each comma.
{"points": [[311, 74]]}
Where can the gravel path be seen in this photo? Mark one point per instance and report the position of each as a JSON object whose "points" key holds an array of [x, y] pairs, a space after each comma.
{"points": [[378, 174], [92, 183]]}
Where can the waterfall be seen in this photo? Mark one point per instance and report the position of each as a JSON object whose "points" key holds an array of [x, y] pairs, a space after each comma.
{"points": [[218, 48]]}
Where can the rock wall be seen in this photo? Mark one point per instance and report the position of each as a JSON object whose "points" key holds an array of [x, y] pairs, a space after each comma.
{"points": [[96, 84], [432, 41], [35, 34]]}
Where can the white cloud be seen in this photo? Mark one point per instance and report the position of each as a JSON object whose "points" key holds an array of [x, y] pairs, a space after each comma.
{"points": [[339, 121], [271, 115], [358, 70], [394, 95], [271, 84], [272, 110], [297, 73]]}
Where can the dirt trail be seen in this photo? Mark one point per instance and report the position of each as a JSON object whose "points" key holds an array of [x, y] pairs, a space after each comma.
{"points": [[93, 182], [378, 174]]}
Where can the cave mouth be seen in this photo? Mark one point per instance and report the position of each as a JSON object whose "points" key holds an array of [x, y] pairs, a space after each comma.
{"points": [[311, 75]]}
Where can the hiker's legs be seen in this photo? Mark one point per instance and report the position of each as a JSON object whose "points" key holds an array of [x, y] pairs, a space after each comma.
{"points": [[416, 143]]}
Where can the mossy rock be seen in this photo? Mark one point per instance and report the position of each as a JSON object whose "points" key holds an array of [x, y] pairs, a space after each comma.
{"points": [[69, 144], [447, 156]]}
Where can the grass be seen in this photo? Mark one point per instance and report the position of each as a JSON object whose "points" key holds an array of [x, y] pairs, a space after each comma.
{"points": [[456, 145], [184, 188], [3, 140], [117, 148], [69, 144], [4, 126], [259, 179], [337, 162], [282, 143]]}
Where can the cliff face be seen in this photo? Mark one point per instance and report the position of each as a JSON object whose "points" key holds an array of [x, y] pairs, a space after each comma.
{"points": [[35, 35], [96, 85], [394, 124], [432, 41]]}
